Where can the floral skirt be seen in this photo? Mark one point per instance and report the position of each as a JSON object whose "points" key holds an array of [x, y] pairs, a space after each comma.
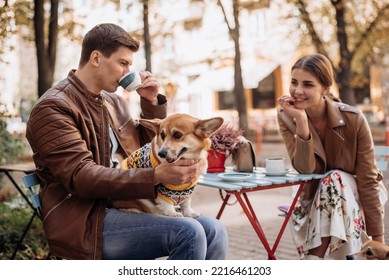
{"points": [[334, 212]]}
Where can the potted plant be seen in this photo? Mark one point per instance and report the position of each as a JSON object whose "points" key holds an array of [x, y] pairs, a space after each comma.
{"points": [[224, 143]]}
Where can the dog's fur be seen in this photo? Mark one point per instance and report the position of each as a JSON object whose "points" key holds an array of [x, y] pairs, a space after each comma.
{"points": [[179, 136], [371, 250]]}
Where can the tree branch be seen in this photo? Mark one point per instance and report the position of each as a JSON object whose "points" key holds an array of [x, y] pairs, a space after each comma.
{"points": [[302, 6], [370, 28], [230, 29]]}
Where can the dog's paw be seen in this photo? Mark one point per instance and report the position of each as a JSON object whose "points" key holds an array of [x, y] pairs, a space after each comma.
{"points": [[196, 215], [174, 214], [191, 214]]}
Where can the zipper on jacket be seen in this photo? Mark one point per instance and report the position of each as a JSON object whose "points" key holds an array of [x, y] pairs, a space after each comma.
{"points": [[105, 143], [56, 206], [121, 127]]}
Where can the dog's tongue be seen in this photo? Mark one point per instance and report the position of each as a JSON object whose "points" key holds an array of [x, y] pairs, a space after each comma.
{"points": [[171, 160]]}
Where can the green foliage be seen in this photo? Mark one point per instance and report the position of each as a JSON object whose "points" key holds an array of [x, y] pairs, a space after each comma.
{"points": [[6, 30], [12, 223], [10, 149], [13, 16]]}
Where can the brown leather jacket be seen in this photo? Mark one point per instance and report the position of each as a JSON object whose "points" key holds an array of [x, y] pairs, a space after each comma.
{"points": [[68, 131], [348, 146]]}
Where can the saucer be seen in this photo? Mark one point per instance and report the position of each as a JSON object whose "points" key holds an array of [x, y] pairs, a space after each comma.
{"points": [[234, 177], [276, 173]]}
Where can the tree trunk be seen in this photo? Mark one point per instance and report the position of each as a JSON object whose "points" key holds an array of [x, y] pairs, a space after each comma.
{"points": [[346, 93], [239, 95], [46, 53], [146, 34], [238, 80]]}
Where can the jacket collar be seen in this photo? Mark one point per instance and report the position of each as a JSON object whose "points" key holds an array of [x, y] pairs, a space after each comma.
{"points": [[334, 140], [334, 115], [76, 82]]}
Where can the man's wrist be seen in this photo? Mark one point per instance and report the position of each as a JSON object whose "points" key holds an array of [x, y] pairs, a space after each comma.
{"points": [[154, 102], [158, 100]]}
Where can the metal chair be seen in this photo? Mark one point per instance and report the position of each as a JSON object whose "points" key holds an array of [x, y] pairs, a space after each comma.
{"points": [[30, 181], [381, 153]]}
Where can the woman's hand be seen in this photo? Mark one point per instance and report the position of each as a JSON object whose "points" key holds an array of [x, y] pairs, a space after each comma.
{"points": [[149, 87], [287, 103], [299, 115]]}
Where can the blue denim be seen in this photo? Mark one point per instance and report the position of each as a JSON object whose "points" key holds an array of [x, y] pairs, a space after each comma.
{"points": [[141, 236]]}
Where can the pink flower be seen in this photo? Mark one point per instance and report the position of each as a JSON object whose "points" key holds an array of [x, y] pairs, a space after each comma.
{"points": [[326, 180], [226, 139], [358, 224], [338, 177]]}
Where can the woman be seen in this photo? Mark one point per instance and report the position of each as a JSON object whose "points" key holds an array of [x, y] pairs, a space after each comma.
{"points": [[325, 136]]}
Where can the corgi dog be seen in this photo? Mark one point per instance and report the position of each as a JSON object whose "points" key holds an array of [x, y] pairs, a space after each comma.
{"points": [[371, 250], [179, 136]]}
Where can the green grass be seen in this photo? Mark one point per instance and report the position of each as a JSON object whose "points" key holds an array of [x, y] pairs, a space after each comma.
{"points": [[12, 223]]}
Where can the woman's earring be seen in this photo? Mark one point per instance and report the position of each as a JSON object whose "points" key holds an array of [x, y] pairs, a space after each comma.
{"points": [[324, 96]]}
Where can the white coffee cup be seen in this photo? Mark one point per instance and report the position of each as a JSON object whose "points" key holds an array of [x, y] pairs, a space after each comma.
{"points": [[130, 81], [275, 165]]}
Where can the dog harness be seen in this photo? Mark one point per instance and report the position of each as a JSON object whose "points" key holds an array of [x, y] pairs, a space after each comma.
{"points": [[144, 157]]}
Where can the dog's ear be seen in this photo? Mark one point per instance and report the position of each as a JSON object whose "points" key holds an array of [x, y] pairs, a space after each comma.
{"points": [[205, 128], [364, 237], [151, 124]]}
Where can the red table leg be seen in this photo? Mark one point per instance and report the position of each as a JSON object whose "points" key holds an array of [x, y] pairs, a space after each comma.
{"points": [[291, 208], [223, 206], [255, 224]]}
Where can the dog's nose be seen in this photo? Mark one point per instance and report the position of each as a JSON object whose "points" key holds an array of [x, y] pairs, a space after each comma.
{"points": [[162, 153], [349, 257]]}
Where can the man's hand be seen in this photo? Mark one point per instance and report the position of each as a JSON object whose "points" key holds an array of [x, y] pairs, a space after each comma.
{"points": [[149, 88], [180, 172]]}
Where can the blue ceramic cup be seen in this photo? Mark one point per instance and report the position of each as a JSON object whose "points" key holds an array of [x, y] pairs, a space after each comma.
{"points": [[130, 81]]}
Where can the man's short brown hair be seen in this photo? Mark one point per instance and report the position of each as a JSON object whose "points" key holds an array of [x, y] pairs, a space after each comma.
{"points": [[106, 38]]}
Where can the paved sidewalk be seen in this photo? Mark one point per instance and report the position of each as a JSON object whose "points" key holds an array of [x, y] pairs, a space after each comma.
{"points": [[243, 241]]}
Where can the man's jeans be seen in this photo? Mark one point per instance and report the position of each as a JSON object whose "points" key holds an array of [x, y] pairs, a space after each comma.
{"points": [[139, 236]]}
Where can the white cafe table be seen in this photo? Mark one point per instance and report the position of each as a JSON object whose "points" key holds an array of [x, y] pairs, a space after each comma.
{"points": [[258, 181]]}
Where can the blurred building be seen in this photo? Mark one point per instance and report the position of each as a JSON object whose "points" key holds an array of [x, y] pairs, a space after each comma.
{"points": [[193, 55]]}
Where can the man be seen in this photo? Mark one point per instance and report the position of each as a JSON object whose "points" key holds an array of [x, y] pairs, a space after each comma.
{"points": [[75, 130]]}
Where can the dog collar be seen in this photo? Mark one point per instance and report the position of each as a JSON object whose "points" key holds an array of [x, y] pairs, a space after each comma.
{"points": [[153, 159]]}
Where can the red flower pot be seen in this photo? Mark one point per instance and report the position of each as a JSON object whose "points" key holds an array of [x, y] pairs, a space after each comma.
{"points": [[216, 161]]}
